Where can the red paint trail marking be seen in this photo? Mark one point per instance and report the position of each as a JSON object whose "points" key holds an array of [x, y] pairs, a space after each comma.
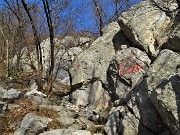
{"points": [[139, 67], [78, 66], [132, 69]]}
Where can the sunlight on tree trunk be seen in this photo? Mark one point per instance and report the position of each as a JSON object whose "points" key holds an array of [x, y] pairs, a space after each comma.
{"points": [[51, 35], [38, 48]]}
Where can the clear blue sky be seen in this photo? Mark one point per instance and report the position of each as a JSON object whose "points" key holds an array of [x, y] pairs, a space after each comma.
{"points": [[87, 14], [85, 20]]}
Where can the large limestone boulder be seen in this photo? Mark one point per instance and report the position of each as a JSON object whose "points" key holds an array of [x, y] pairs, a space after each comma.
{"points": [[94, 61], [150, 100], [164, 66], [165, 84], [89, 69], [122, 121], [145, 25], [135, 114], [138, 100], [166, 100], [154, 100], [126, 69]]}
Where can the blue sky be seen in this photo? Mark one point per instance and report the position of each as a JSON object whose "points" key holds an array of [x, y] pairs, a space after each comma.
{"points": [[87, 15], [85, 20]]}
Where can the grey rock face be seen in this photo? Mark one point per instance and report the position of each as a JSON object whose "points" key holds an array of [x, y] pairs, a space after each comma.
{"points": [[142, 108], [71, 41], [163, 105], [66, 121], [167, 5], [32, 124], [166, 100], [151, 102], [145, 24], [126, 69], [136, 116], [90, 67], [11, 94], [66, 132], [173, 42], [93, 62], [123, 122], [165, 65], [165, 84]]}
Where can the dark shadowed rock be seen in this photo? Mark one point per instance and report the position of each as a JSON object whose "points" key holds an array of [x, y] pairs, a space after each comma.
{"points": [[165, 84], [173, 42]]}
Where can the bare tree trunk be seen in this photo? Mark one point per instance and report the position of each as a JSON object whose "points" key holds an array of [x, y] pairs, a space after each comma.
{"points": [[51, 35], [38, 47], [99, 14], [7, 52]]}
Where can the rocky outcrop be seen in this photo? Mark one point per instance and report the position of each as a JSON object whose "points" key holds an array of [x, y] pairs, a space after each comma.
{"points": [[66, 51], [126, 83], [166, 100], [76, 41], [151, 102], [126, 69], [89, 69], [165, 87], [130, 79], [146, 25]]}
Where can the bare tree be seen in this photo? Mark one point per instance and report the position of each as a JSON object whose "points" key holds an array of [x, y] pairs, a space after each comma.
{"points": [[37, 45], [99, 14], [7, 50], [51, 35]]}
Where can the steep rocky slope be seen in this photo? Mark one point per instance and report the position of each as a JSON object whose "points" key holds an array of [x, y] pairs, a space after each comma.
{"points": [[127, 82]]}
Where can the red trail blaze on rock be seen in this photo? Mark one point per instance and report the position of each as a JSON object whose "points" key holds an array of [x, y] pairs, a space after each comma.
{"points": [[131, 69], [78, 66], [138, 67]]}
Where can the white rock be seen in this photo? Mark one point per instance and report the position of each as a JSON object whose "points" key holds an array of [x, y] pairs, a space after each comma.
{"points": [[35, 91], [67, 132]]}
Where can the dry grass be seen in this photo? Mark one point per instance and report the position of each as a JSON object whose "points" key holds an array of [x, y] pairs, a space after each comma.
{"points": [[16, 115], [21, 80]]}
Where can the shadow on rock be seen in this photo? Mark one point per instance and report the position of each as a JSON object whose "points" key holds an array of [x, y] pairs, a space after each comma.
{"points": [[166, 99]]}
